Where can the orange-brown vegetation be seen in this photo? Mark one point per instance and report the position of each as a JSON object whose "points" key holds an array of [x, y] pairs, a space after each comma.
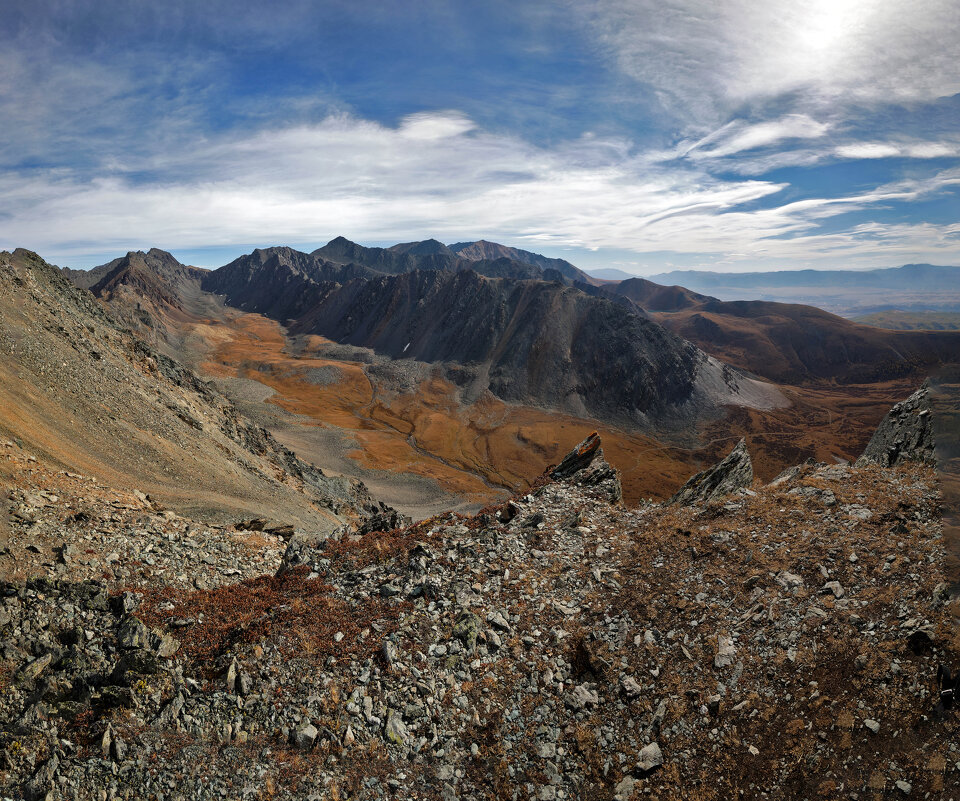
{"points": [[475, 449], [295, 611], [472, 449]]}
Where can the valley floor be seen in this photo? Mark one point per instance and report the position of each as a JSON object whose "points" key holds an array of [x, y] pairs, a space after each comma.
{"points": [[408, 433]]}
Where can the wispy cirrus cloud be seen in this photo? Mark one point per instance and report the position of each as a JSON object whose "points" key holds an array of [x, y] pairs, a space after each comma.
{"points": [[738, 136], [709, 58], [778, 134], [347, 175]]}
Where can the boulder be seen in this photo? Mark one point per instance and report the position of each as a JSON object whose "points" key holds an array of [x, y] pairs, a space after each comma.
{"points": [[904, 435], [467, 629], [651, 758], [728, 475], [586, 466], [303, 738]]}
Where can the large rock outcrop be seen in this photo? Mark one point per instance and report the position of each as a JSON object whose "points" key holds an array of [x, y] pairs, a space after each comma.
{"points": [[586, 466], [728, 475], [904, 435]]}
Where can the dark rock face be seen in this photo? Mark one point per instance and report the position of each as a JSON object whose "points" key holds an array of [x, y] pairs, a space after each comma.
{"points": [[279, 282], [535, 342], [153, 277], [585, 466], [904, 435], [579, 458], [732, 473], [483, 251]]}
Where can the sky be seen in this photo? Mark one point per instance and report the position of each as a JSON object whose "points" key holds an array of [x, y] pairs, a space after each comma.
{"points": [[644, 135]]}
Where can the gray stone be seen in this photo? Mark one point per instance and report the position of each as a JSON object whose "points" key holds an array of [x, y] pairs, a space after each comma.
{"points": [[396, 731], [651, 758], [231, 679], [35, 667], [133, 634], [624, 789], [389, 652], [466, 630], [305, 736], [904, 435], [580, 697], [732, 473], [726, 652], [168, 646]]}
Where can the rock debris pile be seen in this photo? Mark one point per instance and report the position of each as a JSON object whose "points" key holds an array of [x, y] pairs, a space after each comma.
{"points": [[779, 642]]}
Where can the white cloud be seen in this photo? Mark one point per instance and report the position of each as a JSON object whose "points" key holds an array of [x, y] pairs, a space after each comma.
{"points": [[867, 150], [883, 150], [932, 150], [738, 136], [429, 126], [706, 58], [372, 182]]}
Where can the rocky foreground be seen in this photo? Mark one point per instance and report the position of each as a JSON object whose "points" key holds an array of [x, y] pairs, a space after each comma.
{"points": [[780, 642]]}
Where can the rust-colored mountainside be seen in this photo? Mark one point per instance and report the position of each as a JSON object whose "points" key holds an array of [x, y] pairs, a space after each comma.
{"points": [[790, 343]]}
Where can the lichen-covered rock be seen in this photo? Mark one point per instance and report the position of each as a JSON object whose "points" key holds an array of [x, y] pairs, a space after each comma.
{"points": [[904, 435], [467, 629], [728, 475]]}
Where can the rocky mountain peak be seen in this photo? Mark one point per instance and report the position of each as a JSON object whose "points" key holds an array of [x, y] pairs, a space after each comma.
{"points": [[427, 247]]}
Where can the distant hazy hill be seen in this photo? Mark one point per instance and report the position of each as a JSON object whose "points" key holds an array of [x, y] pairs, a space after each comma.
{"points": [[913, 287], [787, 342], [912, 321], [610, 274]]}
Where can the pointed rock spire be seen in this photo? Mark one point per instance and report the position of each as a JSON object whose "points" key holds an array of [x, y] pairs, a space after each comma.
{"points": [[732, 473], [586, 466]]}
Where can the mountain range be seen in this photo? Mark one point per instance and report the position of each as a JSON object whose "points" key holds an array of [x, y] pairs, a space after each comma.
{"points": [[912, 287], [455, 372], [525, 340]]}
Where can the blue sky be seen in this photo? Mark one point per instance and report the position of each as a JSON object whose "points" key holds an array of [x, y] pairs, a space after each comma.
{"points": [[625, 133]]}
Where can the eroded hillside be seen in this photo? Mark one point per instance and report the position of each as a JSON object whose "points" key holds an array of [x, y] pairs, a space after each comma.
{"points": [[82, 393]]}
